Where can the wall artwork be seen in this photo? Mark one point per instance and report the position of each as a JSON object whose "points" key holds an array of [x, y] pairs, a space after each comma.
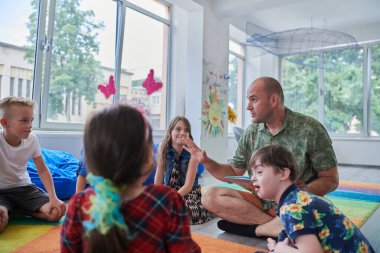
{"points": [[212, 114], [214, 108]]}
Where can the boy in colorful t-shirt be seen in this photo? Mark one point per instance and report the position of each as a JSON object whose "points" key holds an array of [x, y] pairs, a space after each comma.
{"points": [[312, 223]]}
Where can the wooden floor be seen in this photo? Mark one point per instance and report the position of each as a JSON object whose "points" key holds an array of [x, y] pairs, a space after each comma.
{"points": [[371, 229]]}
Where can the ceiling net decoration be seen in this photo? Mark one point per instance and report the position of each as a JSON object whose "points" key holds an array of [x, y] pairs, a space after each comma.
{"points": [[297, 41]]}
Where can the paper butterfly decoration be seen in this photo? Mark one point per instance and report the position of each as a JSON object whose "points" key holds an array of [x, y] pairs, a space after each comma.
{"points": [[108, 89], [150, 85]]}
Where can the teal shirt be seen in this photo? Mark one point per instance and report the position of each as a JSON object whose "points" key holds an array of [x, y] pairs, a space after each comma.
{"points": [[304, 136]]}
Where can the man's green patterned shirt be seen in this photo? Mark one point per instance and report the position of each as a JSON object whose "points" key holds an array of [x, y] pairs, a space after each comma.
{"points": [[304, 136]]}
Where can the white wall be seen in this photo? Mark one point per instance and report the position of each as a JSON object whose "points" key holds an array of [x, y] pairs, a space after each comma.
{"points": [[215, 58], [186, 70]]}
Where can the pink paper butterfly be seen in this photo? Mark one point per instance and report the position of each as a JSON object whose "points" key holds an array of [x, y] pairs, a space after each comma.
{"points": [[108, 89], [150, 85]]}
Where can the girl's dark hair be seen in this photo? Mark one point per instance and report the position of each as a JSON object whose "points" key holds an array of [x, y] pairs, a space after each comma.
{"points": [[278, 157], [167, 140], [117, 144]]}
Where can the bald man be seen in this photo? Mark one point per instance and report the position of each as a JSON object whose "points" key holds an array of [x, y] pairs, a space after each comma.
{"points": [[245, 213]]}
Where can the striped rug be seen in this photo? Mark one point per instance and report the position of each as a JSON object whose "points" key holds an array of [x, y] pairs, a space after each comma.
{"points": [[24, 234], [356, 200]]}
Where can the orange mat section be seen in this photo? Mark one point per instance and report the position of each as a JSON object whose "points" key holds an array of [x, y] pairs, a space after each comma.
{"points": [[211, 245], [359, 184], [49, 242]]}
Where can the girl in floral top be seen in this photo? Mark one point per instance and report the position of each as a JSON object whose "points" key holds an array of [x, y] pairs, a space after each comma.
{"points": [[311, 223], [118, 213]]}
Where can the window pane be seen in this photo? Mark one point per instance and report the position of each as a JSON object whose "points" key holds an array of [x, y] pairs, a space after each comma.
{"points": [[235, 90], [82, 58], [153, 6], [375, 90], [300, 83], [236, 48], [343, 80], [145, 48], [16, 55]]}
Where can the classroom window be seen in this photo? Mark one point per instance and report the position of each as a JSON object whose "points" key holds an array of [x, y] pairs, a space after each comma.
{"points": [[14, 48], [300, 83], [328, 86], [64, 55], [143, 52], [82, 58], [235, 83], [343, 92], [375, 91]]}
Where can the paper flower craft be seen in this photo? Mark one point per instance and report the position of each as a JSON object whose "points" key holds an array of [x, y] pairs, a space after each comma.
{"points": [[108, 89], [231, 115], [150, 84]]}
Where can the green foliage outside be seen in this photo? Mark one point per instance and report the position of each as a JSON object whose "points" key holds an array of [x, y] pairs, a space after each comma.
{"points": [[74, 71], [343, 92], [375, 90]]}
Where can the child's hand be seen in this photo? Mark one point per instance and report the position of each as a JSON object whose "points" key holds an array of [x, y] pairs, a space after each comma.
{"points": [[57, 207], [199, 154]]}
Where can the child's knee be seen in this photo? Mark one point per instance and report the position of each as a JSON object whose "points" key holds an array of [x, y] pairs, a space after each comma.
{"points": [[4, 218], [54, 215]]}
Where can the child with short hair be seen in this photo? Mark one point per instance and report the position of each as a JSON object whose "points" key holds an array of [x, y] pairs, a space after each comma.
{"points": [[118, 213], [176, 168], [17, 145], [312, 223]]}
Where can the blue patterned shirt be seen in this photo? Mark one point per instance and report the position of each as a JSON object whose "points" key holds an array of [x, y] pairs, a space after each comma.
{"points": [[304, 213]]}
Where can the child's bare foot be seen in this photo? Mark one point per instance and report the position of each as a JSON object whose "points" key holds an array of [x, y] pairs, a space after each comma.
{"points": [[3, 218], [271, 244]]}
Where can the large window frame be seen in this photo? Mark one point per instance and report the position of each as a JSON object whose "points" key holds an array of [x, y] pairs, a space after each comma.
{"points": [[43, 54], [238, 50], [366, 89]]}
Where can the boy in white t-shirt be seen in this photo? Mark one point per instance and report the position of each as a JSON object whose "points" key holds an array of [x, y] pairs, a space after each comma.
{"points": [[17, 145]]}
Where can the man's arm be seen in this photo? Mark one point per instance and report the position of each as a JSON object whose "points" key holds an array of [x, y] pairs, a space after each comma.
{"points": [[47, 180], [218, 170], [327, 181]]}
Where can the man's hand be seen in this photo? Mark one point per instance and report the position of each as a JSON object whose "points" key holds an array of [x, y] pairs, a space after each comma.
{"points": [[199, 154]]}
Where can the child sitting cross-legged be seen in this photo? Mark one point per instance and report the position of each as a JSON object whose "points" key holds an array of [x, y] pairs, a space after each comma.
{"points": [[312, 224], [178, 169], [118, 213], [17, 145]]}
